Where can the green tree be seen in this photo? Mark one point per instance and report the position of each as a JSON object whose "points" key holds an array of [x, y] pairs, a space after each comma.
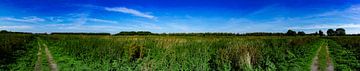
{"points": [[301, 33], [321, 33], [3, 31], [340, 32], [330, 32], [290, 33]]}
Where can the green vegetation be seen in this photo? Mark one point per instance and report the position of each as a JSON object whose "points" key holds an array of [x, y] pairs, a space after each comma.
{"points": [[155, 52], [71, 33], [345, 52], [184, 53], [322, 57], [13, 46]]}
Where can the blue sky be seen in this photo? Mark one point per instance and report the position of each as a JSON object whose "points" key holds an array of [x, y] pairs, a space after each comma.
{"points": [[239, 16]]}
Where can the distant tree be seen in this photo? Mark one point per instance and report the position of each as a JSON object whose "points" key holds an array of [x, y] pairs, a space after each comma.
{"points": [[316, 33], [330, 32], [321, 33], [301, 33], [73, 33], [340, 32], [136, 33], [3, 31], [290, 33]]}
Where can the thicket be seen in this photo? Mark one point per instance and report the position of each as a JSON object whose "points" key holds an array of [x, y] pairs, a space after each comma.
{"points": [[12, 47]]}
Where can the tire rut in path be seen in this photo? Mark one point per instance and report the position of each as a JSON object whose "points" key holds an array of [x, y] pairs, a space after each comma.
{"points": [[51, 62], [50, 59], [38, 62], [315, 62], [330, 65]]}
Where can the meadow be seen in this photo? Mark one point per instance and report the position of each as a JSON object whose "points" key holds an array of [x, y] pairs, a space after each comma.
{"points": [[174, 53]]}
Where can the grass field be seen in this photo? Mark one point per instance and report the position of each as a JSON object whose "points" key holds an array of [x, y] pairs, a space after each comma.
{"points": [[199, 53]]}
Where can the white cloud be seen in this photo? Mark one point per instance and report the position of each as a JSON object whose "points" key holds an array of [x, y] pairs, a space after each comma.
{"points": [[130, 11], [351, 13], [326, 26], [30, 19], [102, 20], [56, 19], [83, 23], [16, 27], [345, 18]]}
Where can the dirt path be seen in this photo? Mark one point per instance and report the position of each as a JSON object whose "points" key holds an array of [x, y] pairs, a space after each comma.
{"points": [[330, 65], [316, 64], [38, 62], [315, 61], [51, 62]]}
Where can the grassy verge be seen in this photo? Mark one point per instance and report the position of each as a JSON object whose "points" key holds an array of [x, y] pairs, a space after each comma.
{"points": [[28, 60], [14, 48], [322, 57], [343, 59]]}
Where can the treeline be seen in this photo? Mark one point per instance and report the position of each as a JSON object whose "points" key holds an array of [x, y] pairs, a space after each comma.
{"points": [[54, 33], [135, 33], [9, 32], [329, 32], [72, 33]]}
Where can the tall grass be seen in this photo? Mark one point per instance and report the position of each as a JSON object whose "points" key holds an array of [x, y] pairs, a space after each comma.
{"points": [[344, 58], [223, 53], [184, 53], [12, 47]]}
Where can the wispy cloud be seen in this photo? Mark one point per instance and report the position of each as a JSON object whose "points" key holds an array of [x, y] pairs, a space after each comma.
{"points": [[130, 11], [347, 18], [56, 19], [102, 20], [30, 19], [83, 23], [326, 26], [16, 27]]}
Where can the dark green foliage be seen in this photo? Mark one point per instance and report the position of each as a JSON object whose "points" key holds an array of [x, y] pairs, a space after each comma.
{"points": [[344, 59], [10, 32], [290, 33], [340, 32], [321, 33], [13, 46], [73, 33], [330, 32], [3, 31], [263, 34], [301, 33], [134, 33]]}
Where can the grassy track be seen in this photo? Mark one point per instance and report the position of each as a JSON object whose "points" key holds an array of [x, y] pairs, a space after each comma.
{"points": [[322, 60], [39, 63], [51, 61], [39, 60]]}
